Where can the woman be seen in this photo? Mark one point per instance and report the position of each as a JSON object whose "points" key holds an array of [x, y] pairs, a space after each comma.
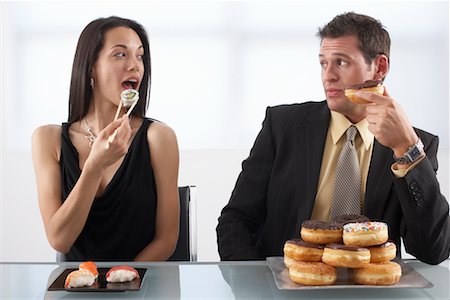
{"points": [[111, 203]]}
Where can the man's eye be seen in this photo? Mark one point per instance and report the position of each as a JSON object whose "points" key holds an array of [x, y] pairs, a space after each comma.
{"points": [[323, 64], [340, 62]]}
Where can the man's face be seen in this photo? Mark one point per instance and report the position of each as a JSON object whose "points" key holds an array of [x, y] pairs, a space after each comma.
{"points": [[342, 65]]}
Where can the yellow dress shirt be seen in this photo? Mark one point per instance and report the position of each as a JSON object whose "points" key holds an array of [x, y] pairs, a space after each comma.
{"points": [[334, 141]]}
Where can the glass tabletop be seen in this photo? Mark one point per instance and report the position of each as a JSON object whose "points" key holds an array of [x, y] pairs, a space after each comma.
{"points": [[215, 280]]}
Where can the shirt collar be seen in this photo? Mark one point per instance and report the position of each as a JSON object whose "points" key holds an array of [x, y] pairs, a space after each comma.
{"points": [[339, 125]]}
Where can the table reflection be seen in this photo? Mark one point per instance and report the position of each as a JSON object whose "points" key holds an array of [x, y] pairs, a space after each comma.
{"points": [[248, 282]]}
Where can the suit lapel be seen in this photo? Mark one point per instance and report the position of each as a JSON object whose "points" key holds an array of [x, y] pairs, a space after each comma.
{"points": [[311, 135], [379, 179]]}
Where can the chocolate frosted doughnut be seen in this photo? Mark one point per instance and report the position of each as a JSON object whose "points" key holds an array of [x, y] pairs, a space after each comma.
{"points": [[345, 219], [373, 86], [314, 224], [339, 255], [320, 232], [365, 84], [298, 249], [383, 253]]}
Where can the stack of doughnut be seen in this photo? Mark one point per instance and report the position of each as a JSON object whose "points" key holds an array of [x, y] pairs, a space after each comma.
{"points": [[350, 241]]}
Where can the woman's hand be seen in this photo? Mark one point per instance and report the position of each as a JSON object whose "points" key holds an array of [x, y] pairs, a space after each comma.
{"points": [[101, 156]]}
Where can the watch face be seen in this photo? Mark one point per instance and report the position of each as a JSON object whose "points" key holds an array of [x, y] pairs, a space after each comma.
{"points": [[414, 154]]}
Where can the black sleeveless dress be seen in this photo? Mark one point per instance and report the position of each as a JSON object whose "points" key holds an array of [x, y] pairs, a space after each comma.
{"points": [[121, 221]]}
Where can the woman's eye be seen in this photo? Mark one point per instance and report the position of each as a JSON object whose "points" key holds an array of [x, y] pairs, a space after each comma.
{"points": [[141, 57], [119, 54]]}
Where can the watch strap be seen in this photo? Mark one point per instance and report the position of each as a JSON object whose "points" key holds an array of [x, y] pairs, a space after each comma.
{"points": [[411, 155]]}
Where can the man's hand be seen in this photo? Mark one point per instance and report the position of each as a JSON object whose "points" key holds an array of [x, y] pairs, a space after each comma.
{"points": [[389, 122]]}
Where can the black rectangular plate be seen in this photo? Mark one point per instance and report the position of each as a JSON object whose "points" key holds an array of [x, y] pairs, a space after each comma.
{"points": [[100, 285]]}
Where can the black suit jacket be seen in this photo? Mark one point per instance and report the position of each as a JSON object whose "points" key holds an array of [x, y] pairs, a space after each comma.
{"points": [[276, 190]]}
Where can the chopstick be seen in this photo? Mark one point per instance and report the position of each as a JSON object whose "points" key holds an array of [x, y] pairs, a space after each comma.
{"points": [[112, 136]]}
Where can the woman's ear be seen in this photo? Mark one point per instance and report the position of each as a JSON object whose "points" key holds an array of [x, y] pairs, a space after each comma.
{"points": [[381, 66]]}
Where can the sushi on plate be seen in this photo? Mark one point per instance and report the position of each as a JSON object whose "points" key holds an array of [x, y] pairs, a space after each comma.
{"points": [[121, 274]]}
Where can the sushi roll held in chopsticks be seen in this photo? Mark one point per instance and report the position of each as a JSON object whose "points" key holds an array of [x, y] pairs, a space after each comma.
{"points": [[89, 266], [129, 97], [121, 274], [79, 278]]}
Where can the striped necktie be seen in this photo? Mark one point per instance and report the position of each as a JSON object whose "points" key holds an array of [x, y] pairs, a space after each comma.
{"points": [[347, 185]]}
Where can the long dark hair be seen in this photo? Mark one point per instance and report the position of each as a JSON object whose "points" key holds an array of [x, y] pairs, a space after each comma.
{"points": [[89, 45]]}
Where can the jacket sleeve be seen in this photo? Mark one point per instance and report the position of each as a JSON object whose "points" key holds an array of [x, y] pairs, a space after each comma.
{"points": [[425, 227], [242, 217]]}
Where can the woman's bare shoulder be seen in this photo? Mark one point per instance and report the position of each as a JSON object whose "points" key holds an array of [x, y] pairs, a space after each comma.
{"points": [[47, 139], [47, 132], [159, 131]]}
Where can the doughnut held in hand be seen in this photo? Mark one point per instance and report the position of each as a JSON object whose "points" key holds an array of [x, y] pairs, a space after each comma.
{"points": [[372, 86]]}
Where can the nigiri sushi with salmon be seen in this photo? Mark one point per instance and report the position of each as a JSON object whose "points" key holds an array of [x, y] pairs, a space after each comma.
{"points": [[89, 266], [121, 274], [79, 278]]}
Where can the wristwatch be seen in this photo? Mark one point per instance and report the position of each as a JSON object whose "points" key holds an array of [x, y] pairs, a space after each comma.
{"points": [[411, 155]]}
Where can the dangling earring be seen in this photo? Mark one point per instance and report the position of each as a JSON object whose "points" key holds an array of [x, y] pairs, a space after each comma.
{"points": [[92, 83]]}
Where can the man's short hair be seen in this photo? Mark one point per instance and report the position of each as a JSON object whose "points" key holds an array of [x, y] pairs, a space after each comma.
{"points": [[373, 37]]}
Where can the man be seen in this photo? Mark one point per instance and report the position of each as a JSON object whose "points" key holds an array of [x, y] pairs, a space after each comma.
{"points": [[290, 173]]}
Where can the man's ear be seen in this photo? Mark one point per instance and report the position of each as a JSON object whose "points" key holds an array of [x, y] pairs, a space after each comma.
{"points": [[381, 66]]}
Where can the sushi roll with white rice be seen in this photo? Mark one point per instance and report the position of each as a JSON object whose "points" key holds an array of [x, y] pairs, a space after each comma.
{"points": [[121, 274], [79, 278]]}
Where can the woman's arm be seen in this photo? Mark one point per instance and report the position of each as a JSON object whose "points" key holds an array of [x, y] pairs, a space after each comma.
{"points": [[63, 222], [165, 161]]}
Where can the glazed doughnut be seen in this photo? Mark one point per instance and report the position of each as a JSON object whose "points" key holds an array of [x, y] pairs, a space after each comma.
{"points": [[300, 250], [373, 86], [345, 219], [338, 255], [365, 234], [386, 273], [288, 261], [383, 253], [320, 232], [312, 273]]}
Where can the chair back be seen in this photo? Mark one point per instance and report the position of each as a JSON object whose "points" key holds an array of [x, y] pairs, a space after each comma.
{"points": [[186, 249]]}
